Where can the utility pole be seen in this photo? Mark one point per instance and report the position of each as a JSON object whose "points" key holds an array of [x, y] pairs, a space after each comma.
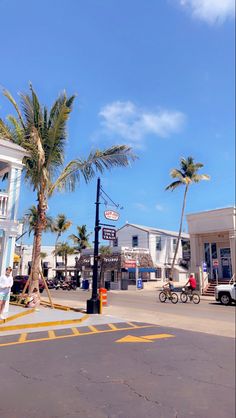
{"points": [[93, 303]]}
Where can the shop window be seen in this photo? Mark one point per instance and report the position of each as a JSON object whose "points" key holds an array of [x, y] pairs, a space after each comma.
{"points": [[115, 242], [207, 254], [158, 243], [135, 241], [174, 244], [213, 250], [158, 273], [167, 273]]}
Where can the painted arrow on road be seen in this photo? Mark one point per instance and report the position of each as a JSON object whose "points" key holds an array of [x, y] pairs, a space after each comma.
{"points": [[143, 338]]}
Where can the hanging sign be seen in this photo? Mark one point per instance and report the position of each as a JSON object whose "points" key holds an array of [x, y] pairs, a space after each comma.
{"points": [[112, 215], [108, 234]]}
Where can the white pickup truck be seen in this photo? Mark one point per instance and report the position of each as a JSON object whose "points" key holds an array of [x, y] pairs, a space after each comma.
{"points": [[226, 293]]}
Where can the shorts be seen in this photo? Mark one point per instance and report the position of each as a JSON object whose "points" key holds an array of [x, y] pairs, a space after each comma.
{"points": [[4, 295]]}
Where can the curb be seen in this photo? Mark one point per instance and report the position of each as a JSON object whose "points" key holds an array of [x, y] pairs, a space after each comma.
{"points": [[15, 316]]}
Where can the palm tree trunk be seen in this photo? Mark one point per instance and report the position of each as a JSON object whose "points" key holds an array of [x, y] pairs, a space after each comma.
{"points": [[36, 258], [180, 230]]}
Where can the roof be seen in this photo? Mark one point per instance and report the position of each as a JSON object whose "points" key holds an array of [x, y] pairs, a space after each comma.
{"points": [[156, 230]]}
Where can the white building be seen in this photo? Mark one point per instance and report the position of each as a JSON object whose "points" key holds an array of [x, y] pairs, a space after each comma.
{"points": [[161, 244], [48, 262], [212, 240], [11, 156]]}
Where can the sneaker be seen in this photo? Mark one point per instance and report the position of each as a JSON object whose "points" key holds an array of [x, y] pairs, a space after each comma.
{"points": [[37, 309], [2, 316]]}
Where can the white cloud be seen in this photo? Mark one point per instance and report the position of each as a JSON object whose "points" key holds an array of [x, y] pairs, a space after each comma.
{"points": [[159, 207], [132, 123], [141, 207], [211, 11]]}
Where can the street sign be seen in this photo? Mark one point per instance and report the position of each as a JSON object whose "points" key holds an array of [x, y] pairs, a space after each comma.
{"points": [[215, 263], [112, 215], [108, 234]]}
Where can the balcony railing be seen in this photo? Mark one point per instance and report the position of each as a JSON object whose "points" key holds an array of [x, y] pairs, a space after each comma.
{"points": [[3, 204]]}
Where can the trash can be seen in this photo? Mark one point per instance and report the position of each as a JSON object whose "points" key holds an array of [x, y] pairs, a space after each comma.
{"points": [[139, 284], [124, 284], [85, 284], [107, 285]]}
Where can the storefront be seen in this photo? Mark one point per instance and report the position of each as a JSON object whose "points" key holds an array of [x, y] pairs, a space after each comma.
{"points": [[212, 241], [116, 268]]}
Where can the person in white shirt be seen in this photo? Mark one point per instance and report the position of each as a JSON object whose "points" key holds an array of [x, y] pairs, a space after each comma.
{"points": [[6, 282]]}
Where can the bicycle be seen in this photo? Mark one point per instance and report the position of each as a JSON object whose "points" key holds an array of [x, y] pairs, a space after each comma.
{"points": [[165, 294], [190, 295]]}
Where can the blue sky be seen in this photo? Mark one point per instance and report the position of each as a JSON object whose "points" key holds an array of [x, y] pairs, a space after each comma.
{"points": [[156, 74]]}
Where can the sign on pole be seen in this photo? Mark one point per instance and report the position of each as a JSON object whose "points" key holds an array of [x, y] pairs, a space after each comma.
{"points": [[108, 234], [112, 215]]}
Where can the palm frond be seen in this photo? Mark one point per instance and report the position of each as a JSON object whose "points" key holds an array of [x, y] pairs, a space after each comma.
{"points": [[17, 132], [175, 173], [98, 161], [5, 131], [174, 185], [196, 178], [8, 95]]}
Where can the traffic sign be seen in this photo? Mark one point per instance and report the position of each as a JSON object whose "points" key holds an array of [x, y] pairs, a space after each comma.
{"points": [[108, 234], [215, 263]]}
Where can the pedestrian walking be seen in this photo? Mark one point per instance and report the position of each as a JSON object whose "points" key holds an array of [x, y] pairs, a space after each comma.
{"points": [[6, 282]]}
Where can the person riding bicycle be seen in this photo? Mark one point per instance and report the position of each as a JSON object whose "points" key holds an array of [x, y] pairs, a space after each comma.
{"points": [[191, 284], [169, 286]]}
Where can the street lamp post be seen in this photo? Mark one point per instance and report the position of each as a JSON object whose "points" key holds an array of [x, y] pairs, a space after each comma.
{"points": [[93, 303]]}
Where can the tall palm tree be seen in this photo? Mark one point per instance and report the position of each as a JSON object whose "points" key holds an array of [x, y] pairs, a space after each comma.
{"points": [[64, 250], [186, 175], [60, 225], [81, 240], [43, 134]]}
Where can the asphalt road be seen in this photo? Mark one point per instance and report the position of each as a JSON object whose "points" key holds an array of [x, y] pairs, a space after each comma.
{"points": [[184, 376], [209, 316]]}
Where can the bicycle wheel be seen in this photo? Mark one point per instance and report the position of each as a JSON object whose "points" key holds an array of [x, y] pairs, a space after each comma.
{"points": [[162, 297], [183, 297], [195, 298], [174, 298]]}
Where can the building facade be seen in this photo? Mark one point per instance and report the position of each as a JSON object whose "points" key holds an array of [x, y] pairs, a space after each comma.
{"points": [[212, 240], [11, 156], [161, 245]]}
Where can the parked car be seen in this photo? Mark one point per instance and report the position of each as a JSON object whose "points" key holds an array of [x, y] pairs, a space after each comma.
{"points": [[226, 293], [19, 284]]}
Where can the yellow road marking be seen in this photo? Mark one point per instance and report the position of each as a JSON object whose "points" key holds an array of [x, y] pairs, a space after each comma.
{"points": [[44, 324], [58, 337], [133, 339], [51, 334], [22, 338], [132, 325], [75, 331], [157, 336], [18, 315], [92, 328], [143, 338], [113, 327]]}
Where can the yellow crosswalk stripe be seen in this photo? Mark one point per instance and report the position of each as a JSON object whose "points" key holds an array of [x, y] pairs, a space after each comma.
{"points": [[22, 337], [112, 326], [51, 334], [92, 328], [75, 331]]}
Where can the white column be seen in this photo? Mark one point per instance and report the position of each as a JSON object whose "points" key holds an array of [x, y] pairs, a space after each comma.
{"points": [[232, 240], [14, 191], [194, 253]]}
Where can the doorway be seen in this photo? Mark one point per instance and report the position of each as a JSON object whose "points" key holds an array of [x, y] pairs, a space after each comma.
{"points": [[225, 261]]}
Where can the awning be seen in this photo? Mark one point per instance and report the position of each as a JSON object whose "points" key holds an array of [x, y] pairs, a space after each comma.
{"points": [[142, 270]]}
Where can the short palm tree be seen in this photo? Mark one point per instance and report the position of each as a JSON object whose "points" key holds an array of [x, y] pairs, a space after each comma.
{"points": [[81, 240], [185, 176], [63, 250], [43, 134], [61, 224]]}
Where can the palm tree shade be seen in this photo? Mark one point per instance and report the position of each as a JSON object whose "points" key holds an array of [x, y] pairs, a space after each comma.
{"points": [[186, 175], [43, 134]]}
